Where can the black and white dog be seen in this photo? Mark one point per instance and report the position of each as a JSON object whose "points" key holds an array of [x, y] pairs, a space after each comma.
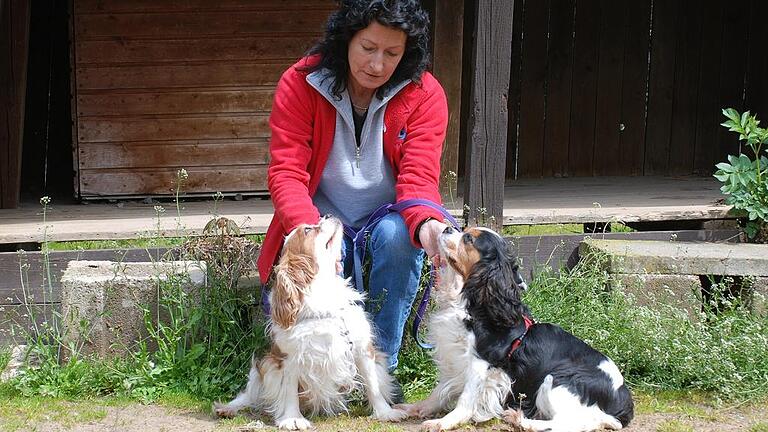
{"points": [[559, 383]]}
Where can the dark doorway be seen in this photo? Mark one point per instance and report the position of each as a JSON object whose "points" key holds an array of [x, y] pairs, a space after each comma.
{"points": [[47, 151]]}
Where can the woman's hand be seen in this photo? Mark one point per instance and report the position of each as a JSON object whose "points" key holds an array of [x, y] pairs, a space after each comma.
{"points": [[429, 234]]}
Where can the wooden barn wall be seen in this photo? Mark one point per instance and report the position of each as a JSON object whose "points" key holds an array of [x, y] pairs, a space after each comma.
{"points": [[14, 43], [631, 87], [167, 84]]}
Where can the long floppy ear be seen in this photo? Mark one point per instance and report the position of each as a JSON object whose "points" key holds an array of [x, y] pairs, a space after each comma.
{"points": [[292, 278], [492, 292]]}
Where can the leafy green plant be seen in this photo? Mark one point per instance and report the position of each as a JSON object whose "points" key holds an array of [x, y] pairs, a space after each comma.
{"points": [[745, 180]]}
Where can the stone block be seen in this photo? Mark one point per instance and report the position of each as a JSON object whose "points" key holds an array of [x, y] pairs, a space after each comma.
{"points": [[684, 258], [759, 304], [682, 292], [102, 302]]}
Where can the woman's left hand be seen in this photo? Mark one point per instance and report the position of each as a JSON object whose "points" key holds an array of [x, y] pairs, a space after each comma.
{"points": [[429, 233]]}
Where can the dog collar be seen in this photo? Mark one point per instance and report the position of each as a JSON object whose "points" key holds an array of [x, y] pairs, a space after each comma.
{"points": [[519, 340]]}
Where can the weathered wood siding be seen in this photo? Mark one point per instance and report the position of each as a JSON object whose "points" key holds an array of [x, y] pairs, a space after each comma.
{"points": [[14, 43], [167, 84], [631, 87]]}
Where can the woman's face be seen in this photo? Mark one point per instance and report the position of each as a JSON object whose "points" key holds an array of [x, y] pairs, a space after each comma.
{"points": [[374, 53]]}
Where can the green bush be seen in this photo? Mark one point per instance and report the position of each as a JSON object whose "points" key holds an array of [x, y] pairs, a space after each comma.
{"points": [[745, 180]]}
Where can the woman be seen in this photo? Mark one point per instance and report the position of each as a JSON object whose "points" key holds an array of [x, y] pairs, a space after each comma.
{"points": [[356, 124]]}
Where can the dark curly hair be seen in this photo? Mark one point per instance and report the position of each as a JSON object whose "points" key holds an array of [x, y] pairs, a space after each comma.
{"points": [[355, 15]]}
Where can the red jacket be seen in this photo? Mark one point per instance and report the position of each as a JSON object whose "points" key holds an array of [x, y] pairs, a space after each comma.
{"points": [[303, 124]]}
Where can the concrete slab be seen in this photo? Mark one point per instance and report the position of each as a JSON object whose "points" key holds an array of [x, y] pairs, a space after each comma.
{"points": [[680, 292], [759, 303], [671, 257], [103, 302]]}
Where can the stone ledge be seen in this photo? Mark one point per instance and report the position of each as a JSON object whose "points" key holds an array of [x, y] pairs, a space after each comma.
{"points": [[688, 258]]}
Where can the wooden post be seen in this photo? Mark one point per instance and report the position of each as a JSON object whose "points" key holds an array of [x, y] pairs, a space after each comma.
{"points": [[487, 144], [448, 28], [14, 43]]}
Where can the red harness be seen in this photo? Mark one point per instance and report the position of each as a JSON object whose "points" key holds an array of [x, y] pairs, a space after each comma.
{"points": [[517, 342]]}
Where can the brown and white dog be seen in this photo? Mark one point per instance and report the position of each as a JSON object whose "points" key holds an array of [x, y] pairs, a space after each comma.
{"points": [[322, 346]]}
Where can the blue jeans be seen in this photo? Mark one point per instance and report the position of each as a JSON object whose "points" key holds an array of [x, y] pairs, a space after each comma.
{"points": [[392, 282]]}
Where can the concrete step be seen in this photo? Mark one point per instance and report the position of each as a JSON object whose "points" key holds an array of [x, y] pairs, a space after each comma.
{"points": [[671, 257]]}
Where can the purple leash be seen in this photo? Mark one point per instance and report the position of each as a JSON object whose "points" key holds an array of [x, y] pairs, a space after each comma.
{"points": [[359, 248], [359, 241]]}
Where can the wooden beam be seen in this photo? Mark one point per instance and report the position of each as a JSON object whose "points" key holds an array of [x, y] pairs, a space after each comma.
{"points": [[448, 27], [14, 44], [488, 120]]}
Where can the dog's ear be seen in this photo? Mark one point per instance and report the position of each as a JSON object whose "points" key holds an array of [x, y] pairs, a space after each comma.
{"points": [[292, 278], [492, 290]]}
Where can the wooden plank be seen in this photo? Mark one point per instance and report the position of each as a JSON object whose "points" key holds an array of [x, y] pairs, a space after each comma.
{"points": [[122, 6], [448, 26], [733, 69], [633, 86], [286, 47], [757, 84], [197, 76], [173, 128], [14, 46], [559, 81], [486, 150], [27, 280], [17, 322], [661, 87], [533, 89], [683, 135], [515, 89], [109, 183], [584, 89], [197, 24], [708, 116], [526, 201], [175, 102], [194, 153], [101, 220], [607, 152]]}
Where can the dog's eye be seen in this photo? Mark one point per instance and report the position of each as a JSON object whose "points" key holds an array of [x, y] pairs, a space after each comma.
{"points": [[467, 239]]}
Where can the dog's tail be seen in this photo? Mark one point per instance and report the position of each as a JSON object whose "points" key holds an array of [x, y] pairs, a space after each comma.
{"points": [[248, 398]]}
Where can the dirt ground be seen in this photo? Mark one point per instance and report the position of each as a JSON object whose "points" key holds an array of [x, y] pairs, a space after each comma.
{"points": [[148, 418]]}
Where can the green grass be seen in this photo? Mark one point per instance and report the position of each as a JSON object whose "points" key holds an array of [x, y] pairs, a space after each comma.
{"points": [[555, 229], [18, 413], [674, 426], [141, 243], [690, 404], [5, 356], [760, 427]]}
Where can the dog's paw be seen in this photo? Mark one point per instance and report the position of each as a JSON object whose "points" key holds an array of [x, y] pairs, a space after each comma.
{"points": [[391, 415], [432, 426], [294, 423], [223, 410], [417, 410], [515, 419]]}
